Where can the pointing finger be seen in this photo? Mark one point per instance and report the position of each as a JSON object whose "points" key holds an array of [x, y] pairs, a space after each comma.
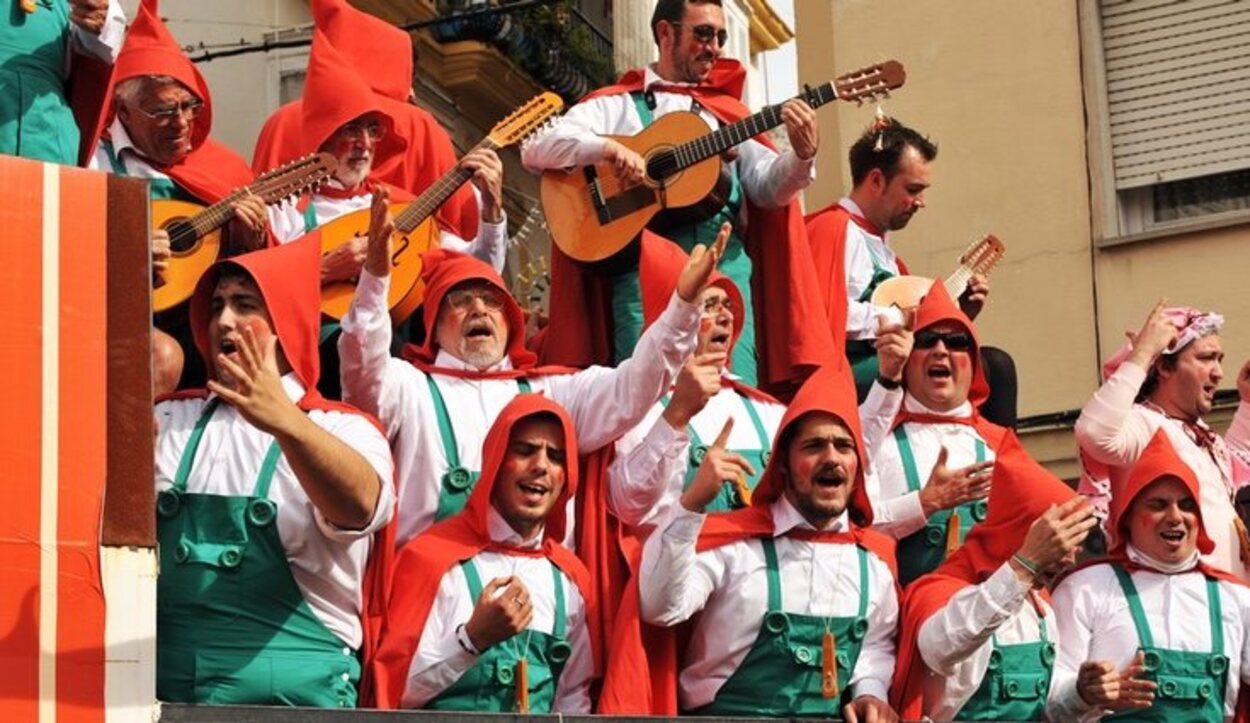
{"points": [[723, 438]]}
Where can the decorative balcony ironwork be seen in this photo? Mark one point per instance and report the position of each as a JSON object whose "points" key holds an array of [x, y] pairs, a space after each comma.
{"points": [[554, 43]]}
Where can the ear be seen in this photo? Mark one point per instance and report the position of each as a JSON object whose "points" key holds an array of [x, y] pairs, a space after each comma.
{"points": [[668, 33]]}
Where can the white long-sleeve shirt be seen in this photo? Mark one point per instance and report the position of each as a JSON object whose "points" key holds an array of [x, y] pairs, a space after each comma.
{"points": [[896, 510], [1095, 624], [490, 245], [441, 660], [604, 403], [1112, 429], [956, 642], [729, 585], [862, 249], [327, 562], [769, 179]]}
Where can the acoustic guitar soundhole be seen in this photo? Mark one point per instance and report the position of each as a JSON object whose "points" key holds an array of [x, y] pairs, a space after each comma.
{"points": [[182, 236], [661, 165]]}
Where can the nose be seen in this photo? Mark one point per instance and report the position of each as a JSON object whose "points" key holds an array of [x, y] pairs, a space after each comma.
{"points": [[1218, 372], [1173, 514]]}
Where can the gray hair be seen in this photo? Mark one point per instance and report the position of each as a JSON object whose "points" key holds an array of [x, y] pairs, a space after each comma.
{"points": [[132, 91]]}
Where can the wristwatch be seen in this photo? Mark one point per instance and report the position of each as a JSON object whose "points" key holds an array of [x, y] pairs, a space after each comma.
{"points": [[890, 384]]}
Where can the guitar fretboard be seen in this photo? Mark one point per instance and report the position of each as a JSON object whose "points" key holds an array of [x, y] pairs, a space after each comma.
{"points": [[726, 137], [958, 281], [438, 193]]}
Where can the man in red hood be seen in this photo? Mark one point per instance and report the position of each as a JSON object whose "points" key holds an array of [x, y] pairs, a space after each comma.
{"points": [[978, 637], [691, 75], [796, 597], [932, 452], [490, 613], [439, 401], [268, 498], [343, 116], [1153, 632]]}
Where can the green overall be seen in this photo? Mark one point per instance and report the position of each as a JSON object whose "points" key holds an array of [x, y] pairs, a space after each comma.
{"points": [[727, 498], [736, 264], [457, 482], [781, 674], [35, 117], [1016, 682], [232, 625], [159, 189], [1191, 685], [490, 685], [862, 353], [922, 551]]}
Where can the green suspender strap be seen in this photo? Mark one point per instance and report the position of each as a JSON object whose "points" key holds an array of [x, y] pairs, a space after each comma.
{"points": [[644, 110], [922, 551], [159, 189], [310, 217], [457, 482], [1191, 684]]}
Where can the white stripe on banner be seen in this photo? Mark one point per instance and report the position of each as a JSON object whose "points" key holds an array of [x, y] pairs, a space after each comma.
{"points": [[49, 422]]}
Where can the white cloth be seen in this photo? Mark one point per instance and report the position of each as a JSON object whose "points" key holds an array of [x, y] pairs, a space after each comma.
{"points": [[648, 471], [1112, 429], [106, 45], [328, 563], [1095, 624], [896, 510], [769, 179], [862, 248], [603, 402], [729, 585], [490, 245], [440, 660], [956, 642]]}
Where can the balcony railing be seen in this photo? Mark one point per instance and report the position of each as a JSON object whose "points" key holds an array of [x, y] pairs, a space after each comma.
{"points": [[552, 42]]}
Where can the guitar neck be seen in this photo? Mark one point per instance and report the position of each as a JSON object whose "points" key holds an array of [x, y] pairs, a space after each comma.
{"points": [[726, 137], [958, 281], [436, 195], [216, 215]]}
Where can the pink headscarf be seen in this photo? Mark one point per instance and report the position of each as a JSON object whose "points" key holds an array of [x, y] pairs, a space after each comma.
{"points": [[1190, 324]]}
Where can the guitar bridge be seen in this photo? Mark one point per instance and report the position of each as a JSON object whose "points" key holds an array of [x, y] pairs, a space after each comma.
{"points": [[596, 196]]}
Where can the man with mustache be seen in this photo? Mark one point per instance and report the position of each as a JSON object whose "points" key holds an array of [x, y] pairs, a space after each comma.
{"points": [[692, 75], [1153, 633], [439, 401], [978, 635], [1164, 377], [268, 498], [932, 452], [795, 596], [890, 172], [488, 608]]}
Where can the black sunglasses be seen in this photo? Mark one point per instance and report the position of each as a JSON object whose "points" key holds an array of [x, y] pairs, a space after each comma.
{"points": [[954, 340], [707, 33]]}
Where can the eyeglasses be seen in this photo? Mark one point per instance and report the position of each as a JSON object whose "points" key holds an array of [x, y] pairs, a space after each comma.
{"points": [[718, 302], [954, 340], [372, 130], [491, 297], [167, 114], [707, 33]]}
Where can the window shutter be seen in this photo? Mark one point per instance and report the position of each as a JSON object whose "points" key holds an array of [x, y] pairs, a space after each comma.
{"points": [[1178, 88]]}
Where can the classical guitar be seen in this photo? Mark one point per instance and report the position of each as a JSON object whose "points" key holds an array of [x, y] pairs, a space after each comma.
{"points": [[415, 228], [592, 218], [195, 231], [905, 292]]}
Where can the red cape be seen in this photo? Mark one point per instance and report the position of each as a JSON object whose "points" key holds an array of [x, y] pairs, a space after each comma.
{"points": [[386, 51], [642, 652], [210, 171], [426, 558], [1020, 492], [786, 291]]}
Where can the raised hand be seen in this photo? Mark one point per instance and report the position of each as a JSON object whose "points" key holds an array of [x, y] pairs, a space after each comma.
{"points": [[89, 14], [1054, 537], [800, 122], [718, 467], [253, 384], [698, 271], [377, 259], [488, 177], [894, 344], [503, 610], [698, 381], [949, 488], [1155, 336], [1100, 685]]}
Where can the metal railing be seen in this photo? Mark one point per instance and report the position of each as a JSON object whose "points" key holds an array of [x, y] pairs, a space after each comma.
{"points": [[552, 42]]}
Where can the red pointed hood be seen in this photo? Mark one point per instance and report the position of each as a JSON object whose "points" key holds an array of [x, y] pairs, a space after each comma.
{"points": [[441, 270], [660, 263], [368, 42], [828, 390], [288, 278], [936, 307], [1158, 460], [335, 94]]}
